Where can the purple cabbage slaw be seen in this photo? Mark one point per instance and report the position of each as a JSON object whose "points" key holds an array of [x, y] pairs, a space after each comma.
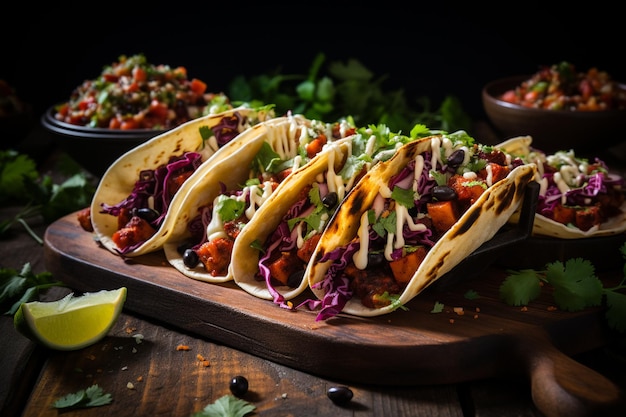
{"points": [[593, 185], [153, 183]]}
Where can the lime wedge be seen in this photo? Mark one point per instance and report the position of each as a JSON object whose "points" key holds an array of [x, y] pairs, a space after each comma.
{"points": [[73, 322]]}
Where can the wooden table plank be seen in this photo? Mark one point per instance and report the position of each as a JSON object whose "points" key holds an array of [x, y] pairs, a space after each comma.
{"points": [[172, 382]]}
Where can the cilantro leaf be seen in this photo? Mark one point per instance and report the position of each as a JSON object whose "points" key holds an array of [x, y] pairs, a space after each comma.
{"points": [[471, 295], [520, 287], [21, 287], [616, 310], [575, 284], [91, 397], [438, 307], [226, 406]]}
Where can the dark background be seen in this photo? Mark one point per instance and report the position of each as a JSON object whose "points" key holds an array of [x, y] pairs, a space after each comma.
{"points": [[425, 50]]}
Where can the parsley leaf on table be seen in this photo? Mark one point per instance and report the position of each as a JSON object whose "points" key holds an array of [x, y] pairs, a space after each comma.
{"points": [[576, 287], [226, 406], [21, 287], [93, 396]]}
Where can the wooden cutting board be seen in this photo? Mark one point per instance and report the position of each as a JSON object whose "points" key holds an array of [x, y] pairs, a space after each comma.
{"points": [[470, 339]]}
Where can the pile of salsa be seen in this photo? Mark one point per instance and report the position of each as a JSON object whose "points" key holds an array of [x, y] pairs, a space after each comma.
{"points": [[562, 87], [132, 93]]}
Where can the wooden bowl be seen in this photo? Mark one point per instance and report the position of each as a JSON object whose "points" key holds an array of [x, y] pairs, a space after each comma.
{"points": [[552, 130]]}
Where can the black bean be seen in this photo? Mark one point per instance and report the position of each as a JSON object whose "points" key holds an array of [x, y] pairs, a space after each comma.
{"points": [[295, 279], [444, 193], [330, 200], [456, 158], [146, 213], [239, 385], [340, 395], [190, 258], [375, 258]]}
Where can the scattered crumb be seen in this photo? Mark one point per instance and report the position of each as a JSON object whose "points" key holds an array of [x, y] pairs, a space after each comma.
{"points": [[130, 385], [91, 357], [139, 378], [451, 321], [129, 330], [206, 363], [475, 316], [477, 309], [183, 347], [124, 368], [138, 338], [552, 308], [459, 311], [200, 357], [525, 308], [134, 350], [284, 396]]}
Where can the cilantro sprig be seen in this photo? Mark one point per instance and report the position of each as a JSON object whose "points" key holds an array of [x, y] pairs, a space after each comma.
{"points": [[93, 396], [333, 90], [23, 286], [575, 285], [22, 184]]}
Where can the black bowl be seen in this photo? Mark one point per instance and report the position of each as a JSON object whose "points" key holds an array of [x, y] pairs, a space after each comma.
{"points": [[552, 130], [95, 149]]}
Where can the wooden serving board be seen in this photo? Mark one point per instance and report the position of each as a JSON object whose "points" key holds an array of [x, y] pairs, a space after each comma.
{"points": [[410, 347]]}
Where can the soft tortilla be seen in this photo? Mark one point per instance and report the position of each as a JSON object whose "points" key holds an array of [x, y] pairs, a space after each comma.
{"points": [[119, 179], [476, 226]]}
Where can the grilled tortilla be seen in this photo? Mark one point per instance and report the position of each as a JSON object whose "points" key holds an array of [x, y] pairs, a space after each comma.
{"points": [[272, 251], [229, 195], [120, 188], [477, 224]]}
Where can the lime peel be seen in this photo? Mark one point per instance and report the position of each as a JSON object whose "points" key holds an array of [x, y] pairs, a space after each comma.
{"points": [[73, 322]]}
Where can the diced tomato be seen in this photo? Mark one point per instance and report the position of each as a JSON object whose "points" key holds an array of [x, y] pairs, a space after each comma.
{"points": [[198, 86], [467, 190], [404, 268], [139, 74], [498, 172], [158, 109], [129, 124]]}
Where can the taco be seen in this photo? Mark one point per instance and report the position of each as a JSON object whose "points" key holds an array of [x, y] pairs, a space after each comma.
{"points": [[131, 210], [410, 220], [228, 196], [273, 251], [578, 198]]}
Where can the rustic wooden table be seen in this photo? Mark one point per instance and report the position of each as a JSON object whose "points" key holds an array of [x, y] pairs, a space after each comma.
{"points": [[153, 377]]}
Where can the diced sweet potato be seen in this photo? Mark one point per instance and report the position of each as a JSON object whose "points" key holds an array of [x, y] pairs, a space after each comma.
{"points": [[308, 247], [404, 268], [443, 214], [137, 230], [283, 267], [564, 214], [587, 217], [216, 255]]}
